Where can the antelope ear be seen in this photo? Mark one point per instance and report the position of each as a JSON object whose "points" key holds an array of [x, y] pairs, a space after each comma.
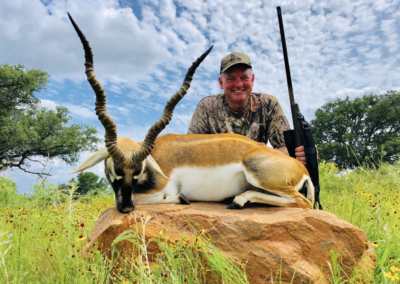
{"points": [[152, 165], [93, 160]]}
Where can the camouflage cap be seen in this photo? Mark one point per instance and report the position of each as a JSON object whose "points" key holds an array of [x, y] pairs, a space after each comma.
{"points": [[233, 59]]}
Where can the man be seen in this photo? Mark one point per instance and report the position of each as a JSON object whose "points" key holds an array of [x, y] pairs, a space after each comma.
{"points": [[238, 110]]}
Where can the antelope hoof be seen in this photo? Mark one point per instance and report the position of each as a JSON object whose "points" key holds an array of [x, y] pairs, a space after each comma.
{"points": [[228, 200], [234, 206], [183, 199]]}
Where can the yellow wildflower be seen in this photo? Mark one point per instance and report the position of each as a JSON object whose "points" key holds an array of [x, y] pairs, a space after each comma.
{"points": [[392, 276], [394, 268], [81, 238], [243, 264]]}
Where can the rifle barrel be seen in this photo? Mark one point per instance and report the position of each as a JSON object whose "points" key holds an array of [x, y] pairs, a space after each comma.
{"points": [[285, 56], [293, 105]]}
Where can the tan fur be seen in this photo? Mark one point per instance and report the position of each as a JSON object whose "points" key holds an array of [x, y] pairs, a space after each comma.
{"points": [[275, 171], [264, 167]]}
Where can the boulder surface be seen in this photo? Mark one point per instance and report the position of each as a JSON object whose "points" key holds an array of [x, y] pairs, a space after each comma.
{"points": [[291, 241]]}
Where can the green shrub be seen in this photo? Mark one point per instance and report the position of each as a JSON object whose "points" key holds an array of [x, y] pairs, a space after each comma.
{"points": [[9, 194]]}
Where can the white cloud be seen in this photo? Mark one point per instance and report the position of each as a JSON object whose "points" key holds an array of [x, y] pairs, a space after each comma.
{"points": [[123, 110], [114, 88], [81, 111], [42, 37], [48, 104], [342, 94], [77, 110]]}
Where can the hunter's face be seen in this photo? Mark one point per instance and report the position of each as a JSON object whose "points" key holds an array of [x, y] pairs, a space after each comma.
{"points": [[237, 83]]}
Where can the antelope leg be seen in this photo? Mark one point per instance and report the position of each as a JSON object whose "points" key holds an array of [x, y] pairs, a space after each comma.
{"points": [[258, 197]]}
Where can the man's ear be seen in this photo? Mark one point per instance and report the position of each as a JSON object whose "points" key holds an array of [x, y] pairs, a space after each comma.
{"points": [[220, 82]]}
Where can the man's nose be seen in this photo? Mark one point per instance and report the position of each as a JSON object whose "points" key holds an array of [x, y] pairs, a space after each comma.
{"points": [[238, 83]]}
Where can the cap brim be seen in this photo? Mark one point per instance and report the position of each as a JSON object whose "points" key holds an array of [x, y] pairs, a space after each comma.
{"points": [[234, 63]]}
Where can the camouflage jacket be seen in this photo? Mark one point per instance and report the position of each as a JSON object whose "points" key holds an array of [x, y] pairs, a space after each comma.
{"points": [[261, 120]]}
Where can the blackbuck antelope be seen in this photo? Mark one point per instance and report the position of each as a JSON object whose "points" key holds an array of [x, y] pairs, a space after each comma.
{"points": [[183, 168]]}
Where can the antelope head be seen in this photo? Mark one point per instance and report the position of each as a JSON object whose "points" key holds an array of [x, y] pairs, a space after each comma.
{"points": [[126, 162]]}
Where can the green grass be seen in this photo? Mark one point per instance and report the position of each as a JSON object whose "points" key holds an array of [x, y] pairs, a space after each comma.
{"points": [[41, 241], [370, 200]]}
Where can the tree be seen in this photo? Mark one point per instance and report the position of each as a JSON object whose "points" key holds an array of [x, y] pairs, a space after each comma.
{"points": [[363, 130], [90, 182], [29, 131], [17, 86]]}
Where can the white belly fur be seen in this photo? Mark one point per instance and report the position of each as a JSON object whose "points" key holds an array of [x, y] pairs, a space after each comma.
{"points": [[207, 184]]}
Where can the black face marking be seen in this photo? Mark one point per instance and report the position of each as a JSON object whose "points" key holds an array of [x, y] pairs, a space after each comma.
{"points": [[123, 192], [124, 188], [137, 172], [303, 190], [119, 172], [125, 204], [117, 184], [148, 184], [123, 200]]}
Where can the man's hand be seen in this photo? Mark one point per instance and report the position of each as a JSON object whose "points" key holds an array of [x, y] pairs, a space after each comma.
{"points": [[301, 155]]}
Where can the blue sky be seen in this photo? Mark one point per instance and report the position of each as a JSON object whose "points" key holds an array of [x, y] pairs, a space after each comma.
{"points": [[142, 50]]}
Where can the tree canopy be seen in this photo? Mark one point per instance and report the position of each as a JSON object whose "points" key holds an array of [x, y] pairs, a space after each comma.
{"points": [[29, 131], [17, 86], [88, 181], [363, 130]]}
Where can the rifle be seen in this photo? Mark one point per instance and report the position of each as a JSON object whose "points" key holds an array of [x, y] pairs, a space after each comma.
{"points": [[301, 133]]}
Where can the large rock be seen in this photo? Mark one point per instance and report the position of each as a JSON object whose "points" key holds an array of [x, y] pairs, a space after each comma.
{"points": [[270, 239]]}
